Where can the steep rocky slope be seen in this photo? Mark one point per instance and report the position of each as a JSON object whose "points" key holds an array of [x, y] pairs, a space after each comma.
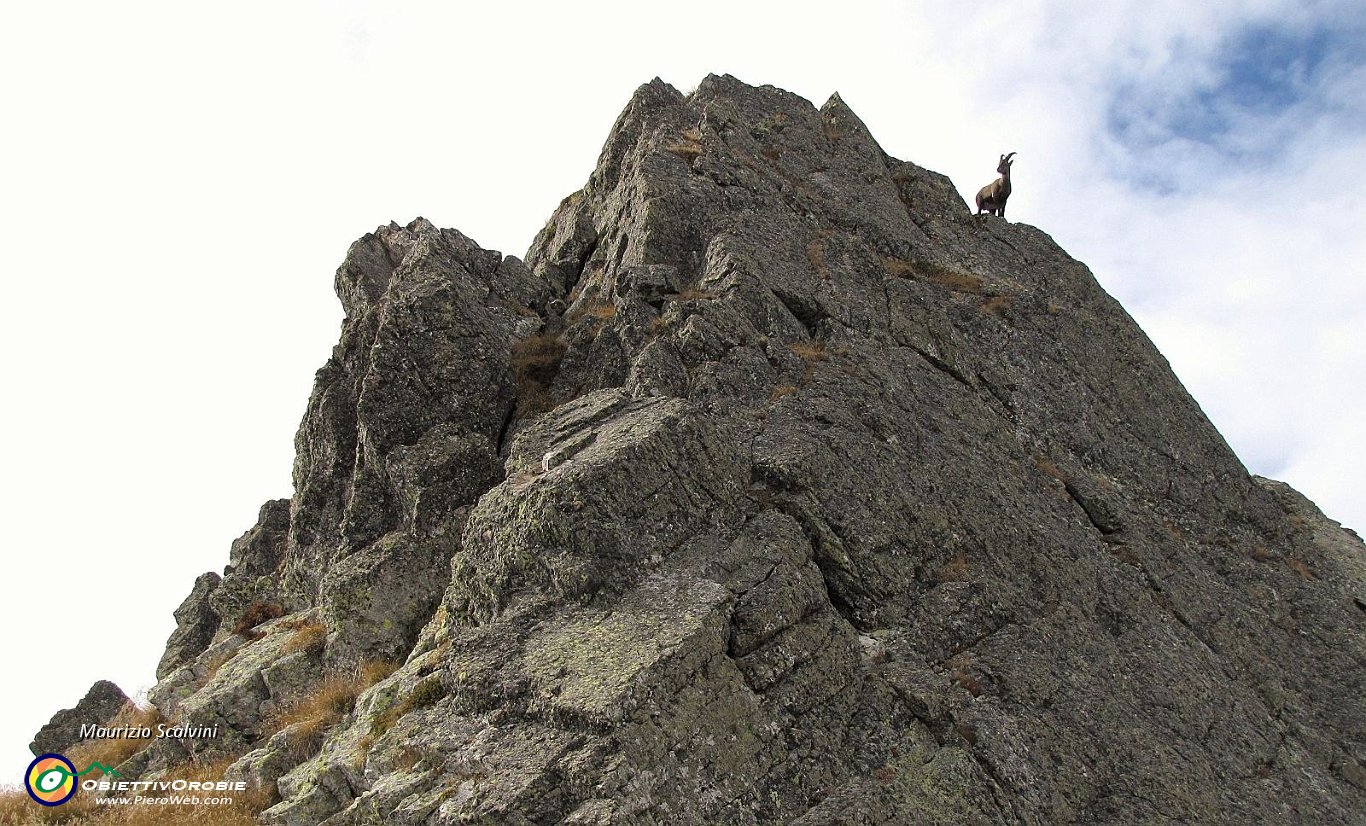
{"points": [[772, 487]]}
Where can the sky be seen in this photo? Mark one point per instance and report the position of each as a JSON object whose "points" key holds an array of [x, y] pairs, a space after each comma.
{"points": [[179, 181]]}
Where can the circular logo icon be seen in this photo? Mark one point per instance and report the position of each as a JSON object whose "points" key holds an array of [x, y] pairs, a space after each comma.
{"points": [[50, 779]]}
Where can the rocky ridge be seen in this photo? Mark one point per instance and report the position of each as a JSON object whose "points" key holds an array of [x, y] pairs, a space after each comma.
{"points": [[772, 487]]}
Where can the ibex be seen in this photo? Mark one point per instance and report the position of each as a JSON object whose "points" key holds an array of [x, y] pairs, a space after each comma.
{"points": [[992, 197]]}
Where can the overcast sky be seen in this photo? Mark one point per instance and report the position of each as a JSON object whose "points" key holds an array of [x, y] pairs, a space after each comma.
{"points": [[180, 181]]}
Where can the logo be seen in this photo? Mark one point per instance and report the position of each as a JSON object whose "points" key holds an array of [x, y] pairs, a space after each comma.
{"points": [[50, 779]]}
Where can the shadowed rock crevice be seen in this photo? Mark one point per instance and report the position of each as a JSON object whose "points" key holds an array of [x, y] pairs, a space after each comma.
{"points": [[772, 487]]}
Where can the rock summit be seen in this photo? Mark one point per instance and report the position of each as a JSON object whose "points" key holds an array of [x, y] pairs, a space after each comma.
{"points": [[771, 486]]}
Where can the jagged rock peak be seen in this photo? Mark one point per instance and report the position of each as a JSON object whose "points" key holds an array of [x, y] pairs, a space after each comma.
{"points": [[97, 707], [772, 487]]}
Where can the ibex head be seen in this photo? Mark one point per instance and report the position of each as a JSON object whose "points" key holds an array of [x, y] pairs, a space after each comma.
{"points": [[1003, 167]]}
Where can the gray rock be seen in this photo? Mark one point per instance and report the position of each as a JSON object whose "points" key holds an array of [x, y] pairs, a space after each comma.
{"points": [[402, 431], [776, 487], [216, 604], [263, 767], [196, 624], [96, 708]]}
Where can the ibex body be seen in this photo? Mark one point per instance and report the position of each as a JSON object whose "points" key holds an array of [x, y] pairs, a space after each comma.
{"points": [[992, 197]]}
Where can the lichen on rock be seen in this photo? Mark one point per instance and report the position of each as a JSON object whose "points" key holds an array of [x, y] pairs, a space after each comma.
{"points": [[772, 487]]}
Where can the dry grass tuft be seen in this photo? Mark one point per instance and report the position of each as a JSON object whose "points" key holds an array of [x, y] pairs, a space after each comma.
{"points": [[809, 351], [899, 267], [955, 570], [694, 294], [18, 809], [951, 279], [687, 151], [319, 711], [601, 311], [812, 352], [967, 681], [688, 146], [535, 362], [326, 706], [1047, 466], [815, 254], [258, 612], [997, 305], [310, 636], [373, 671]]}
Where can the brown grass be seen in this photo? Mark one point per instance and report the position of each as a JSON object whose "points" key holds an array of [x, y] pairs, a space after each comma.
{"points": [[951, 279], [815, 254], [326, 706], [688, 147], [601, 311], [537, 358], [955, 570], [257, 613], [535, 362], [997, 305], [315, 714], [809, 351], [967, 681], [812, 352], [17, 809], [372, 671], [1047, 466], [694, 294], [310, 636], [687, 151]]}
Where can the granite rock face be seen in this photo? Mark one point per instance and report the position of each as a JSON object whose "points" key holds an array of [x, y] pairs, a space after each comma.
{"points": [[774, 487]]}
